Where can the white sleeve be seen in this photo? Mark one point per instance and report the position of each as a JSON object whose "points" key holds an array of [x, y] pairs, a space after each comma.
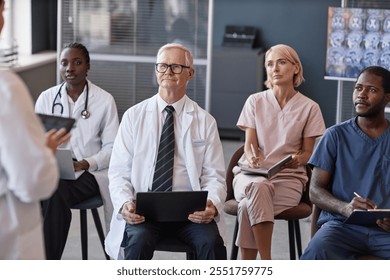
{"points": [[30, 166]]}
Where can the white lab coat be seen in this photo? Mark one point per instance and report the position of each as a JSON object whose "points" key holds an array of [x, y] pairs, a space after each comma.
{"points": [[134, 154], [28, 172], [92, 139]]}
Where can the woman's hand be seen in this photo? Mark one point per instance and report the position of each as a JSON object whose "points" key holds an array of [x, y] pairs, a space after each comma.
{"points": [[254, 162], [254, 158], [294, 162], [56, 138]]}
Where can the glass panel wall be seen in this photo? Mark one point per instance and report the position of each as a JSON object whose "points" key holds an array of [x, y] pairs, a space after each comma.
{"points": [[123, 37]]}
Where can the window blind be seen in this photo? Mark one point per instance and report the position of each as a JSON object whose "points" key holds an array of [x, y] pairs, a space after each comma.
{"points": [[123, 37]]}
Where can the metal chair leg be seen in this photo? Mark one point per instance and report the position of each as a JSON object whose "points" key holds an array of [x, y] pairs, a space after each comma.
{"points": [[84, 234], [99, 229], [234, 250], [190, 256], [298, 238], [291, 239]]}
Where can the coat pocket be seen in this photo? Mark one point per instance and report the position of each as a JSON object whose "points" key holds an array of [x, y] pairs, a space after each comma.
{"points": [[199, 148]]}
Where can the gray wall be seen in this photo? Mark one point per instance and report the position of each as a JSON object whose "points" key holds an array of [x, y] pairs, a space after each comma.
{"points": [[38, 77], [302, 24]]}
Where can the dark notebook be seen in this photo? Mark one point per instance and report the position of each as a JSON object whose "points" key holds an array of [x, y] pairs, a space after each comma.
{"points": [[56, 122], [367, 217], [264, 171], [170, 206]]}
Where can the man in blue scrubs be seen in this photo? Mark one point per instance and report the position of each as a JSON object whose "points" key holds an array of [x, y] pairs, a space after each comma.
{"points": [[351, 170]]}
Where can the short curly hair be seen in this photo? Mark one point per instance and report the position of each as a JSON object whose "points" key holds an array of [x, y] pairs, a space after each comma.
{"points": [[380, 72]]}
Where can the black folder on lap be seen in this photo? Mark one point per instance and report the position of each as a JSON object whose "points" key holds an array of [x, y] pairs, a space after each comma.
{"points": [[170, 206], [367, 217]]}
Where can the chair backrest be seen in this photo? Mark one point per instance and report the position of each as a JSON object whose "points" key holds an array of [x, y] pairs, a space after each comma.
{"points": [[305, 195], [229, 172], [174, 244]]}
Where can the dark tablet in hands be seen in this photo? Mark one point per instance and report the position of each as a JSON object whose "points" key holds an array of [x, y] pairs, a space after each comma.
{"points": [[367, 217], [56, 122], [170, 206]]}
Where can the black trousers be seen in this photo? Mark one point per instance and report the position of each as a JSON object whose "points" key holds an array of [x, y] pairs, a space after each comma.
{"points": [[57, 214], [140, 240]]}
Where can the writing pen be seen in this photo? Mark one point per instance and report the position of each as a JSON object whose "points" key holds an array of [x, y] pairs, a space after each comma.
{"points": [[356, 194], [373, 206]]}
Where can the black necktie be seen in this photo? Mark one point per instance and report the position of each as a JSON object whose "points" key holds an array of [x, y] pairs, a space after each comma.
{"points": [[162, 179]]}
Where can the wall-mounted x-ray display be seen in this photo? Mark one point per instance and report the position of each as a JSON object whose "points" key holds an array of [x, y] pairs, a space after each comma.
{"points": [[357, 38]]}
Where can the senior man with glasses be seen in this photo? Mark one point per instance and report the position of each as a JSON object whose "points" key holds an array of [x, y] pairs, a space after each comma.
{"points": [[188, 157]]}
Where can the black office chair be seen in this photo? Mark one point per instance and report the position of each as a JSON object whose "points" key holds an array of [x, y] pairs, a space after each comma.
{"points": [[92, 204], [171, 244]]}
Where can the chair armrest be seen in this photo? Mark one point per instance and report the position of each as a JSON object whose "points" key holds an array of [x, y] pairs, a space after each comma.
{"points": [[230, 207]]}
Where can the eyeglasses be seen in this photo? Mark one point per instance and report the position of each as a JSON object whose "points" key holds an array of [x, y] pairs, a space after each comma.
{"points": [[175, 68]]}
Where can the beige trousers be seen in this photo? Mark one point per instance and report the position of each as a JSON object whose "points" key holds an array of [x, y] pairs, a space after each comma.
{"points": [[260, 200]]}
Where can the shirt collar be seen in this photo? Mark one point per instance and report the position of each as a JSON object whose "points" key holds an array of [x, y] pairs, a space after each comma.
{"points": [[178, 105]]}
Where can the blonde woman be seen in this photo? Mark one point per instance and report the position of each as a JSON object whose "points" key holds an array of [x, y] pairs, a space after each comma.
{"points": [[277, 122]]}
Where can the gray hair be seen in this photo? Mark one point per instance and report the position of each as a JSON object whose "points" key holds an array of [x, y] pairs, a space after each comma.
{"points": [[188, 55]]}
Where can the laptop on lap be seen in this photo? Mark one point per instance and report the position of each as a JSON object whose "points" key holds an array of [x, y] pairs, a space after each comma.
{"points": [[65, 165]]}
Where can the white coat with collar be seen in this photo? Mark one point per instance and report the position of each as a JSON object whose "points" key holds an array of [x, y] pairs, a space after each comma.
{"points": [[92, 138], [28, 172], [135, 152]]}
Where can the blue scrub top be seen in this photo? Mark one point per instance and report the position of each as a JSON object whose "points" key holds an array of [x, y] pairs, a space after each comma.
{"points": [[357, 162]]}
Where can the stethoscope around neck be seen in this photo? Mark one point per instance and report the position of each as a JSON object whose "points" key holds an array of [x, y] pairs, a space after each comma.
{"points": [[84, 113]]}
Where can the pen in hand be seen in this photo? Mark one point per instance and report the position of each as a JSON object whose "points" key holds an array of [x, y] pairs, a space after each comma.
{"points": [[370, 204], [356, 194]]}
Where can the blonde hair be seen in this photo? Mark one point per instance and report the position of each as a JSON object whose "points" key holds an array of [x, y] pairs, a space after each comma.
{"points": [[188, 55], [291, 55]]}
